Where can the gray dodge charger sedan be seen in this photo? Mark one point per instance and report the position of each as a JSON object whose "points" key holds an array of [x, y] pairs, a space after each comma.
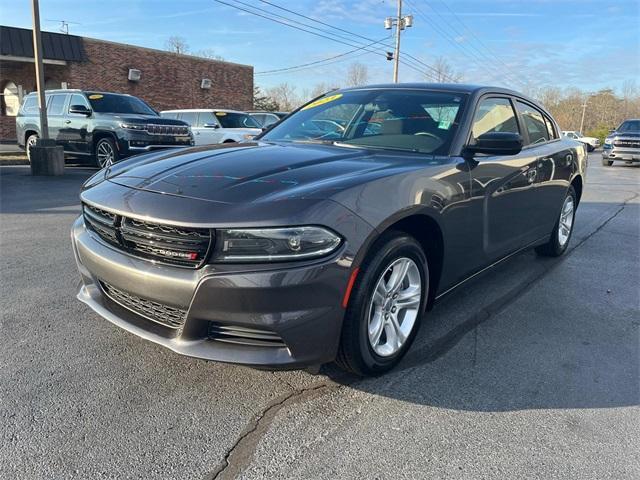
{"points": [[329, 236]]}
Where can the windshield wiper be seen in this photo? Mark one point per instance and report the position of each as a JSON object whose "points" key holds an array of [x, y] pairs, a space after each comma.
{"points": [[376, 147]]}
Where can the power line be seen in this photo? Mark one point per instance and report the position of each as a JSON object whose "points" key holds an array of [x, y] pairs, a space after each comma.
{"points": [[301, 66], [289, 23]]}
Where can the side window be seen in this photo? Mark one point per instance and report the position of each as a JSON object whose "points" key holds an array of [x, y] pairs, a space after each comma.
{"points": [[550, 130], [205, 118], [494, 115], [77, 99], [56, 105], [30, 106], [534, 123], [190, 117]]}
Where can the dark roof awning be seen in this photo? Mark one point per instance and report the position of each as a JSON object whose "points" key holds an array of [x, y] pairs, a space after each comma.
{"points": [[18, 42]]}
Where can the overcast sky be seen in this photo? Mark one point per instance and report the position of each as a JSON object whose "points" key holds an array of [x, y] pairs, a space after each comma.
{"points": [[589, 44]]}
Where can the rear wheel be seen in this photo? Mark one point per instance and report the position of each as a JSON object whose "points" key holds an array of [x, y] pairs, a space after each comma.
{"points": [[106, 152], [563, 229], [31, 142], [386, 306]]}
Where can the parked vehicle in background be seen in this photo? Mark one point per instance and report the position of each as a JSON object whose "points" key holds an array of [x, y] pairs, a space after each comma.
{"points": [[311, 245], [623, 143], [211, 126], [266, 119], [591, 142], [103, 126]]}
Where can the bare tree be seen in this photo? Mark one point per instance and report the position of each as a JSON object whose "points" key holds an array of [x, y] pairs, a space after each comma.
{"points": [[209, 53], [357, 75], [285, 96], [177, 45], [443, 72]]}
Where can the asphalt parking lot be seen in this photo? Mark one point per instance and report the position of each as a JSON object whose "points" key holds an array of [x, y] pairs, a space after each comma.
{"points": [[531, 371]]}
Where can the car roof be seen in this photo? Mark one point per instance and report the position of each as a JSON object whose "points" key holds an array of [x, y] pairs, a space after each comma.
{"points": [[178, 110], [76, 90]]}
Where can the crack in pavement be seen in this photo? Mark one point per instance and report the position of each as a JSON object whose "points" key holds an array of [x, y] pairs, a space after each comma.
{"points": [[241, 452]]}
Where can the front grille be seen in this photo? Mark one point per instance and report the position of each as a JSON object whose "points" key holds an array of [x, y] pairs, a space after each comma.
{"points": [[181, 246], [244, 336], [627, 143], [175, 130], [158, 312]]}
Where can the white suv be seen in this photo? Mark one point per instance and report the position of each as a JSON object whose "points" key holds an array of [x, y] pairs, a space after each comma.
{"points": [[216, 126], [591, 142]]}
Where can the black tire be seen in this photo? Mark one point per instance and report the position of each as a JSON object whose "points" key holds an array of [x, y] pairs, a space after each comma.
{"points": [[101, 147], [356, 353], [554, 247], [607, 163], [590, 148], [31, 139]]}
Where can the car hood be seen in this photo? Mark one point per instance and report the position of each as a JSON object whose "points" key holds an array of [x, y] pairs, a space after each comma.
{"points": [[141, 119], [624, 134], [256, 172]]}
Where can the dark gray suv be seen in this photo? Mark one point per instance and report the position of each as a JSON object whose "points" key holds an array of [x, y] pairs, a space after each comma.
{"points": [[329, 236], [101, 126]]}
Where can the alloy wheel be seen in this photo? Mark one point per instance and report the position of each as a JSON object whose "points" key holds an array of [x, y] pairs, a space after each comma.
{"points": [[31, 142], [566, 221], [105, 154], [394, 306]]}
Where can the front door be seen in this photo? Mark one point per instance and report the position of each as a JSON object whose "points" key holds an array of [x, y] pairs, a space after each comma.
{"points": [[76, 127], [208, 129]]}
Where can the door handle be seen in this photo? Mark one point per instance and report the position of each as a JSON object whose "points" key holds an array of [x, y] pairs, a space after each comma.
{"points": [[67, 121]]}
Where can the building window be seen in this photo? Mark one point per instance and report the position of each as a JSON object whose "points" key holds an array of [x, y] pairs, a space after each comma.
{"points": [[10, 99]]}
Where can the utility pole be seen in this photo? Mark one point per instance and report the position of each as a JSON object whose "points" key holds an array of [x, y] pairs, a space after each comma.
{"points": [[584, 109], [37, 56], [400, 23]]}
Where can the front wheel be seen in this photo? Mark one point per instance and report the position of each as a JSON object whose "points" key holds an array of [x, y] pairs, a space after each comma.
{"points": [[563, 228], [29, 144], [590, 148], [106, 152], [385, 307], [607, 163]]}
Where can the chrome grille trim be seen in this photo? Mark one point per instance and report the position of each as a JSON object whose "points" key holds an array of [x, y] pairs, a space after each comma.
{"points": [[171, 317], [173, 130]]}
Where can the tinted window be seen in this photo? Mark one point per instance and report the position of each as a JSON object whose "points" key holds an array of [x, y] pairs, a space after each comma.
{"points": [[114, 103], [494, 115], [56, 105], [190, 117], [534, 123], [30, 105], [206, 118], [236, 120], [394, 119], [630, 126], [77, 99]]}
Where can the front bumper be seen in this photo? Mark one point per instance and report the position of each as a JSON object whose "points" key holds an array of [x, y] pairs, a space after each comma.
{"points": [[131, 142], [617, 153], [299, 304]]}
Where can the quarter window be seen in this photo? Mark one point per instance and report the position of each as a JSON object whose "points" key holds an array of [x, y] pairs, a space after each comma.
{"points": [[494, 115], [190, 117], [550, 129], [534, 123], [56, 105], [30, 105]]}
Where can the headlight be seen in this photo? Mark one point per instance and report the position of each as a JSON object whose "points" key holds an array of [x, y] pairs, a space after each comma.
{"points": [[274, 244], [248, 136], [608, 141], [133, 126]]}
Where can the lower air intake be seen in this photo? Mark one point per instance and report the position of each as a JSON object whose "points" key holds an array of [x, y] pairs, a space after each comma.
{"points": [[245, 336]]}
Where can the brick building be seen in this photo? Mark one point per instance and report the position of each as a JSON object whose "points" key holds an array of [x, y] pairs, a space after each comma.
{"points": [[167, 80]]}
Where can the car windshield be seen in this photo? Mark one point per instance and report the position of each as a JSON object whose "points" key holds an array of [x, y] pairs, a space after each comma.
{"points": [[630, 126], [114, 103], [396, 119], [236, 120]]}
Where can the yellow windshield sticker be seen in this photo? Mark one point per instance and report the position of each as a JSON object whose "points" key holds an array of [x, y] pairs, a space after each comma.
{"points": [[95, 97], [322, 101], [220, 114]]}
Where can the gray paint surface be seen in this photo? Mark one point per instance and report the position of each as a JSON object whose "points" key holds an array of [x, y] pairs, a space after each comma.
{"points": [[500, 382]]}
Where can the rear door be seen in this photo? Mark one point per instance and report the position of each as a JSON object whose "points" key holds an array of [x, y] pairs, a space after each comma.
{"points": [[504, 184], [56, 108]]}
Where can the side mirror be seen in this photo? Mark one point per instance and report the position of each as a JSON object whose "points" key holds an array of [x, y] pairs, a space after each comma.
{"points": [[495, 143], [211, 125], [80, 110]]}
